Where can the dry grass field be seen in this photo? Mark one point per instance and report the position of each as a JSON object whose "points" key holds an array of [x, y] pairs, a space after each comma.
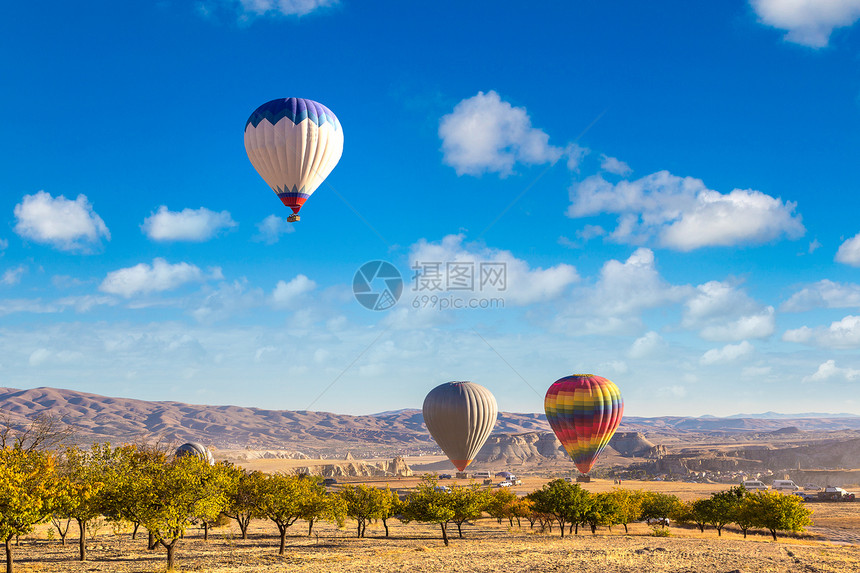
{"points": [[832, 545], [418, 548]]}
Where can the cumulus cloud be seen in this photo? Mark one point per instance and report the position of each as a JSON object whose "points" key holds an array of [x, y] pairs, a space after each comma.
{"points": [[728, 353], [849, 252], [575, 154], [807, 22], [843, 333], [270, 229], [226, 300], [614, 165], [63, 224], [721, 311], [451, 267], [824, 294], [624, 288], [682, 214], [13, 276], [646, 345], [286, 293], [487, 135], [829, 371], [187, 225], [144, 279]]}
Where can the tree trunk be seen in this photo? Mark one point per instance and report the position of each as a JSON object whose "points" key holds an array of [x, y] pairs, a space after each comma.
{"points": [[82, 541], [310, 527], [385, 525], [283, 530], [171, 555], [576, 528], [460, 529], [625, 528], [134, 531], [243, 525], [444, 533], [9, 554], [720, 531], [593, 529], [205, 531], [151, 542], [773, 532]]}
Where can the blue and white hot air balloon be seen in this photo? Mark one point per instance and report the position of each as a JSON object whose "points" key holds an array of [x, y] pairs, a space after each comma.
{"points": [[293, 144]]}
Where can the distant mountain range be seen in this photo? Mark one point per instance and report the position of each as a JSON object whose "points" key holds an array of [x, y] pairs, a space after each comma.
{"points": [[98, 418]]}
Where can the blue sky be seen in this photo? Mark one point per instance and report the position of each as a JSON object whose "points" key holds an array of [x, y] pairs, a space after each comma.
{"points": [[670, 188]]}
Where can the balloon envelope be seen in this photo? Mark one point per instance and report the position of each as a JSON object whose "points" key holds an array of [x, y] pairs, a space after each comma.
{"points": [[460, 417], [293, 144], [197, 450], [584, 411]]}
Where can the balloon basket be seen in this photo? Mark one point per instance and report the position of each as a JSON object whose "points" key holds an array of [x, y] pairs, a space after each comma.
{"points": [[293, 218], [583, 479]]}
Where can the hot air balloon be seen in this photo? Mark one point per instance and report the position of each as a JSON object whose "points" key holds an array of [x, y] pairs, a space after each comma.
{"points": [[584, 411], [197, 450], [293, 144], [460, 417]]}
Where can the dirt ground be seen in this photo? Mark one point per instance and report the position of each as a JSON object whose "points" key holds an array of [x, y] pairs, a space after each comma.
{"points": [[831, 545], [487, 546]]}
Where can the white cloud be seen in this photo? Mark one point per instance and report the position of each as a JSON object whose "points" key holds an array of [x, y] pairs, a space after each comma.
{"points": [[844, 333], [829, 371], [13, 276], [248, 10], [634, 285], [723, 312], [522, 284], [682, 214], [226, 300], [728, 353], [270, 229], [614, 165], [63, 224], [186, 225], [575, 154], [676, 391], [285, 293], [756, 371], [824, 294], [4, 244], [486, 134], [849, 252], [807, 22], [144, 279], [646, 345]]}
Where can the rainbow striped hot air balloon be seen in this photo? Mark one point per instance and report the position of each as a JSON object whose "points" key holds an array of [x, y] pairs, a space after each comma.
{"points": [[293, 144], [584, 411]]}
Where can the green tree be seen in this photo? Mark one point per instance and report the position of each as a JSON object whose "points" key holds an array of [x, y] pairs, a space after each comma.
{"points": [[656, 505], [468, 504], [390, 506], [27, 485], [567, 503], [127, 478], [314, 502], [500, 504], [602, 511], [429, 505], [777, 512], [241, 491], [175, 495], [723, 507], [278, 499], [82, 479], [629, 504], [363, 504]]}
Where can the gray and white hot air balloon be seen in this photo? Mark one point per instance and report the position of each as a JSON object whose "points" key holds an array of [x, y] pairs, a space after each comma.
{"points": [[197, 450], [460, 417]]}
